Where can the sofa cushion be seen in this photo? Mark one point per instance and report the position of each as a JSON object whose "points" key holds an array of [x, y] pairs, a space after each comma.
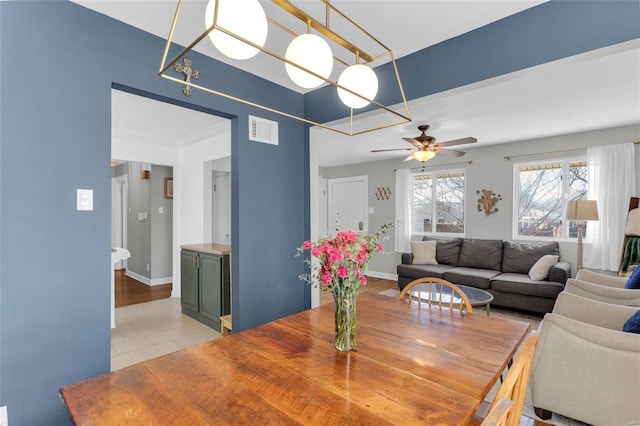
{"points": [[540, 269], [447, 250], [479, 278], [522, 284], [481, 254], [634, 279], [633, 324], [424, 252], [520, 257], [420, 271]]}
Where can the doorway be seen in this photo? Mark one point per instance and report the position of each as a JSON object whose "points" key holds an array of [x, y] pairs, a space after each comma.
{"points": [[155, 133]]}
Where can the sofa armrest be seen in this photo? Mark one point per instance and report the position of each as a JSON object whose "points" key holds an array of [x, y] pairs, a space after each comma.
{"points": [[560, 272], [407, 258], [597, 278], [575, 361], [617, 296], [594, 312]]}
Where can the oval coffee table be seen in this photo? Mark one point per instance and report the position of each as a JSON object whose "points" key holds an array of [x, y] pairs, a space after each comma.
{"points": [[475, 295]]}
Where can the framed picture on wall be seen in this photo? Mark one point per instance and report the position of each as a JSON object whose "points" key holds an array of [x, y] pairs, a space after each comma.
{"points": [[168, 187]]}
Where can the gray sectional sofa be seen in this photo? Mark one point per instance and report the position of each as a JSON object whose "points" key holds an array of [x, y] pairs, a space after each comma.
{"points": [[499, 267]]}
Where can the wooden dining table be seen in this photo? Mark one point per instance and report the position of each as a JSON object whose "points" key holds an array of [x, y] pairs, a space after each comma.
{"points": [[413, 365]]}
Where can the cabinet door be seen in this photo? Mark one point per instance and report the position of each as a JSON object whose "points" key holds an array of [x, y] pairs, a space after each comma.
{"points": [[210, 286], [189, 280]]}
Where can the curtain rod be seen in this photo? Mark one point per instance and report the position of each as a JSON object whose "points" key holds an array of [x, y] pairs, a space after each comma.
{"points": [[509, 157], [440, 165]]}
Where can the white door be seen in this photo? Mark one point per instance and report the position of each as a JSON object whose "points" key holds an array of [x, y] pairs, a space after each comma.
{"points": [[348, 204], [119, 216], [221, 209], [323, 198]]}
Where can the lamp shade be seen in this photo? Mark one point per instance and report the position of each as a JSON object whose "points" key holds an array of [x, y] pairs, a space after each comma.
{"points": [[423, 155], [313, 53], [362, 80], [582, 210], [244, 18]]}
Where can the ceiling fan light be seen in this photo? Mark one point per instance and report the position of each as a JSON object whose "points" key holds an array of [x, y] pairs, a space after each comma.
{"points": [[423, 156], [362, 80], [313, 53], [245, 18]]}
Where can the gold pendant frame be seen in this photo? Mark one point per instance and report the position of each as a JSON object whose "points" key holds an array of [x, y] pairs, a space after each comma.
{"points": [[397, 117]]}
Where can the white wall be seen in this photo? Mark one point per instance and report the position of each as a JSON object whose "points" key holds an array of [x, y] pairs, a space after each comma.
{"points": [[489, 170]]}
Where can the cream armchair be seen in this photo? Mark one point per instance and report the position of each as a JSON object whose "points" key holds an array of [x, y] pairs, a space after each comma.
{"points": [[597, 278], [603, 293], [584, 366]]}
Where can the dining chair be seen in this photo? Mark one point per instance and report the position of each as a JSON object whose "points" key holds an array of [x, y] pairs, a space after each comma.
{"points": [[516, 381], [436, 291], [499, 413]]}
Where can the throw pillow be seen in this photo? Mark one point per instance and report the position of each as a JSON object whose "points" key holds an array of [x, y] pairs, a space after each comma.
{"points": [[633, 222], [633, 324], [540, 270], [634, 279], [424, 252]]}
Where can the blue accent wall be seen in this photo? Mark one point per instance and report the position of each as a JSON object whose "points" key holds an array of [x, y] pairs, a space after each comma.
{"points": [[545, 33], [55, 137]]}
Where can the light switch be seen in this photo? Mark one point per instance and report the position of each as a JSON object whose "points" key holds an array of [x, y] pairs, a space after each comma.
{"points": [[85, 199], [160, 210]]}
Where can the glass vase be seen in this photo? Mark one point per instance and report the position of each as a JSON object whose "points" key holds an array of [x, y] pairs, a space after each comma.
{"points": [[345, 304]]}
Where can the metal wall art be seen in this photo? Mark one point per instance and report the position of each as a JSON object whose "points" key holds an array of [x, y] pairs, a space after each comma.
{"points": [[383, 193], [487, 201], [188, 73]]}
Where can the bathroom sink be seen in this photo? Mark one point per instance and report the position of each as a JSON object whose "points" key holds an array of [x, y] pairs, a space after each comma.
{"points": [[118, 254]]}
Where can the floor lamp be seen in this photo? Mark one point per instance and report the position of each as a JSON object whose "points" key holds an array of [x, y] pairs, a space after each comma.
{"points": [[581, 211]]}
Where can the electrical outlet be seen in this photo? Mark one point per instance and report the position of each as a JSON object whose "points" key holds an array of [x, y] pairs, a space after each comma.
{"points": [[148, 267], [4, 418]]}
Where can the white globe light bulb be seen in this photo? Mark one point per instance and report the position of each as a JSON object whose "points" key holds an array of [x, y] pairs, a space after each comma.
{"points": [[245, 18], [313, 53], [362, 80]]}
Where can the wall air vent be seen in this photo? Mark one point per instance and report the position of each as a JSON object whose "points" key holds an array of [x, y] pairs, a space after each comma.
{"points": [[263, 130]]}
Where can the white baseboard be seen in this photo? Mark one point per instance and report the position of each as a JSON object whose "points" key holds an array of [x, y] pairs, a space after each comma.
{"points": [[148, 281], [383, 275]]}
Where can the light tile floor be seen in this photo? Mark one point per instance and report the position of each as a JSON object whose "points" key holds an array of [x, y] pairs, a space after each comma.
{"points": [[152, 329]]}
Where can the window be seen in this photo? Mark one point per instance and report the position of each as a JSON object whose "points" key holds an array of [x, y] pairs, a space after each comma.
{"points": [[542, 190], [438, 203]]}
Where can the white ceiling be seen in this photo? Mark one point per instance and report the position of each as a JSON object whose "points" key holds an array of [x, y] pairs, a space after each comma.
{"points": [[595, 90]]}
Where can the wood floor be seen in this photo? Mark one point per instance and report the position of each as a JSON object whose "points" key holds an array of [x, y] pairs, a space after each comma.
{"points": [[130, 292]]}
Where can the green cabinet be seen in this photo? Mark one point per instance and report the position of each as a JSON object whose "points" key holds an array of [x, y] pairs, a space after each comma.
{"points": [[205, 286]]}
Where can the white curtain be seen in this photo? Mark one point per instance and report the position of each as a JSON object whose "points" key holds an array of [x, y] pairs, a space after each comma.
{"points": [[612, 182], [402, 229]]}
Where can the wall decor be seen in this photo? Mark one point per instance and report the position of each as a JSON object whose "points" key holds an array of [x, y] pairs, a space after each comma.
{"points": [[383, 193], [168, 187], [188, 73], [487, 201]]}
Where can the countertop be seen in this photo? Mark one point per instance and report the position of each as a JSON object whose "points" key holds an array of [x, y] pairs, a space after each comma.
{"points": [[219, 249]]}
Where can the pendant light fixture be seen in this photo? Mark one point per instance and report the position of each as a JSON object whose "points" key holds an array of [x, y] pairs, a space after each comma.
{"points": [[313, 53], [244, 18], [423, 156], [360, 79], [239, 30]]}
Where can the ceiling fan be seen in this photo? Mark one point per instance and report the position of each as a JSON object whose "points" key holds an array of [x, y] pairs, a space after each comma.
{"points": [[428, 148]]}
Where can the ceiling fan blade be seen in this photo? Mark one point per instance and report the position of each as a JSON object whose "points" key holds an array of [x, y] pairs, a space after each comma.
{"points": [[414, 142], [462, 141], [394, 149], [409, 158], [449, 152]]}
